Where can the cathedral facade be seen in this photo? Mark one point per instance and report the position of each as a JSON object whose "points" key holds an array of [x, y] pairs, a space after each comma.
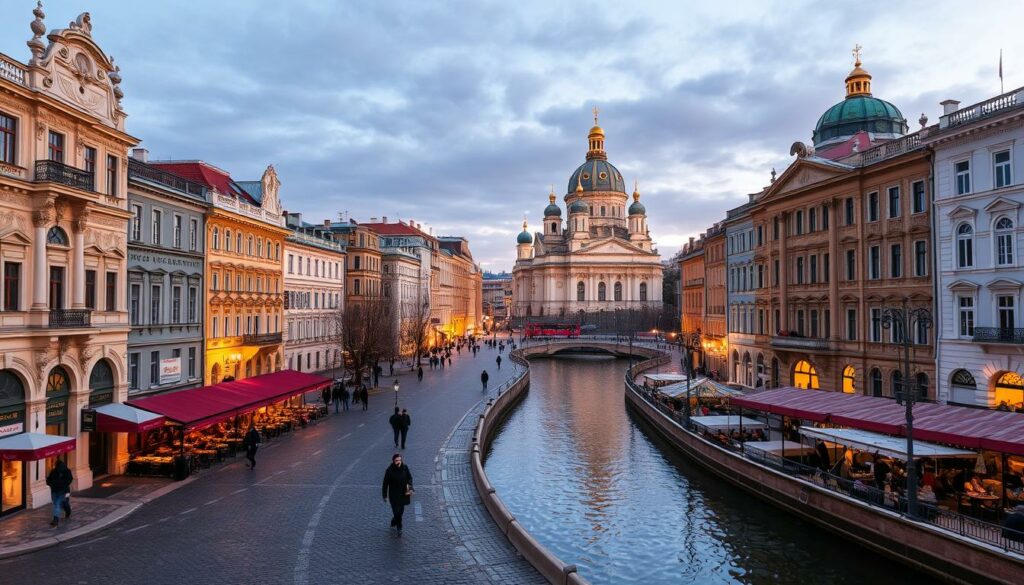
{"points": [[598, 259]]}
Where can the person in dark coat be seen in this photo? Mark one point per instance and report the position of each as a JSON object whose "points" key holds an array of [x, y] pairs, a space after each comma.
{"points": [[405, 424], [881, 469], [59, 479], [483, 380], [397, 481], [364, 395], [419, 373], [345, 396], [1013, 525], [499, 362], [251, 442], [336, 396], [824, 461], [326, 395], [396, 424]]}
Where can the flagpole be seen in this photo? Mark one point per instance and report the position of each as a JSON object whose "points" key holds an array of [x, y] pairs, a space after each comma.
{"points": [[1001, 90]]}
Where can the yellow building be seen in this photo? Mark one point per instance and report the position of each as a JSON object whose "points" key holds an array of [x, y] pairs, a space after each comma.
{"points": [[245, 233]]}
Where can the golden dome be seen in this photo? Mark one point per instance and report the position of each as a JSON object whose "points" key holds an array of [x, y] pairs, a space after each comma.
{"points": [[597, 131]]}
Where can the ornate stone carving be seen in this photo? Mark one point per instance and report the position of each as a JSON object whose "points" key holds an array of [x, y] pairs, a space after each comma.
{"points": [[36, 44], [82, 24], [80, 221], [40, 130], [44, 216]]}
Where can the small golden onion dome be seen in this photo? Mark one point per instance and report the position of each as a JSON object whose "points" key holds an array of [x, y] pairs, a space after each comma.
{"points": [[551, 198], [597, 131], [858, 82], [636, 190]]}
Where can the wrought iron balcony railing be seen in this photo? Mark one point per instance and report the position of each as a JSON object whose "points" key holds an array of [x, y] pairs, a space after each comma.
{"points": [[261, 338], [140, 170], [999, 334], [58, 172], [67, 318]]}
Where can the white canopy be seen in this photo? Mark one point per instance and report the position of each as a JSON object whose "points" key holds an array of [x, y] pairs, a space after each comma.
{"points": [[792, 449], [662, 379], [727, 422], [887, 445], [679, 388]]}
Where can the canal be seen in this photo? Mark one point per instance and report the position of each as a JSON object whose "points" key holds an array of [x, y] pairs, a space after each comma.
{"points": [[584, 477]]}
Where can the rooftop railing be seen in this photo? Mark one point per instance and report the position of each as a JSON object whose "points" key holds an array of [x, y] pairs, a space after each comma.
{"points": [[983, 109], [11, 70]]}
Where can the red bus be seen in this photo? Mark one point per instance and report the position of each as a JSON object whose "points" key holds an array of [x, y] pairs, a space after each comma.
{"points": [[551, 330]]}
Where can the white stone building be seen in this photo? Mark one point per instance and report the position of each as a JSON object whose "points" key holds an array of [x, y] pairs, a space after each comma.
{"points": [[978, 166]]}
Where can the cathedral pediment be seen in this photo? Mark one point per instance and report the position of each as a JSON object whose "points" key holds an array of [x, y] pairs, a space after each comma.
{"points": [[610, 246], [800, 174]]}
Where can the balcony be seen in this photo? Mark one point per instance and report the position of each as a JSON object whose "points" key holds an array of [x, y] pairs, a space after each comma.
{"points": [[261, 338], [57, 172], [801, 343], [998, 335], [69, 318]]}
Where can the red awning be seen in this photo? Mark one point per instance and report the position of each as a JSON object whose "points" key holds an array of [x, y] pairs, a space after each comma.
{"points": [[200, 407], [121, 418], [972, 428], [34, 446]]}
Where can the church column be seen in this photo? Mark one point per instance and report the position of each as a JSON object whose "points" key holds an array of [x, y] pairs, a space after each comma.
{"points": [[78, 259], [41, 220]]}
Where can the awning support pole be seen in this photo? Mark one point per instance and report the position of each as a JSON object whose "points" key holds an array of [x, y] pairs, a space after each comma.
{"points": [[1003, 479], [741, 429]]}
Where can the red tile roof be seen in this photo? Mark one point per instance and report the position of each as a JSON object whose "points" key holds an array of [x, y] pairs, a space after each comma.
{"points": [[206, 174], [395, 229], [845, 149]]}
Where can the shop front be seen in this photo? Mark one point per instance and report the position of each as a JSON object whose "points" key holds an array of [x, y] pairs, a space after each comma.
{"points": [[101, 391], [12, 422], [58, 393]]}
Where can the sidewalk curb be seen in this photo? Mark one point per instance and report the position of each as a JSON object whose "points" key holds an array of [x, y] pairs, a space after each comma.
{"points": [[103, 523]]}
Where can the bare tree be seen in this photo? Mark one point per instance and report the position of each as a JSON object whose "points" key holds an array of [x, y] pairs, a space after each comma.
{"points": [[415, 325], [367, 333]]}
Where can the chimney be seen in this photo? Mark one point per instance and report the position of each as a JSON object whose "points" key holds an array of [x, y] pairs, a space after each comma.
{"points": [[140, 154], [373, 220], [949, 106], [327, 223], [384, 219]]}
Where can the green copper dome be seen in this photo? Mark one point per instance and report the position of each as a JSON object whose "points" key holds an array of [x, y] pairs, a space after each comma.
{"points": [[524, 237], [552, 210], [637, 208], [579, 206], [859, 113]]}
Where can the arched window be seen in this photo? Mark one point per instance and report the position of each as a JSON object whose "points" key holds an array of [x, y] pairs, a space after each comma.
{"points": [[101, 383], [965, 246], [897, 383], [921, 385], [849, 380], [554, 228], [1010, 389], [277, 253], [618, 291], [876, 382], [747, 369], [259, 247], [216, 238], [759, 377], [805, 376], [227, 240], [57, 383], [602, 292], [238, 242], [249, 246], [1004, 241], [643, 291], [12, 391], [581, 290], [57, 236]]}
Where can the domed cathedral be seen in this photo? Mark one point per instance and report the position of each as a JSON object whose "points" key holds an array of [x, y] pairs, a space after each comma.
{"points": [[859, 121], [598, 258]]}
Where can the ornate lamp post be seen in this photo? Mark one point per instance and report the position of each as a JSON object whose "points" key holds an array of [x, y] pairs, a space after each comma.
{"points": [[906, 320], [396, 392], [693, 343]]}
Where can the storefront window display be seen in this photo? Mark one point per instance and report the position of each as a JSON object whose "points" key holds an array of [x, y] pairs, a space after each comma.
{"points": [[12, 422], [58, 391], [101, 391]]}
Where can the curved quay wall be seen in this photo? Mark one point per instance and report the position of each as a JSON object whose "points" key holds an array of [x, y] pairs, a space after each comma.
{"points": [[933, 551], [547, 564]]}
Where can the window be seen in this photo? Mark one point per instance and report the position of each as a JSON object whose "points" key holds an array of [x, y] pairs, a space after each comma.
{"points": [[193, 304], [643, 291], [921, 332], [962, 171], [157, 220], [966, 316], [193, 234], [355, 287], [355, 265], [896, 261], [876, 325], [920, 258], [798, 222], [154, 304], [191, 362], [874, 269], [8, 139], [760, 235], [814, 323], [800, 322], [12, 286], [248, 247], [849, 380], [825, 268], [873, 206], [176, 304], [55, 147], [154, 368], [133, 370], [216, 238], [876, 382], [112, 175], [291, 264], [1004, 241], [602, 292], [56, 287], [57, 237], [238, 242], [897, 383], [618, 291], [775, 228], [851, 324], [965, 246], [1003, 172], [917, 197], [775, 270], [813, 264], [894, 202], [90, 289], [90, 160], [805, 376], [812, 219], [1007, 314], [134, 304], [848, 211], [851, 264], [177, 231], [800, 270], [824, 217]]}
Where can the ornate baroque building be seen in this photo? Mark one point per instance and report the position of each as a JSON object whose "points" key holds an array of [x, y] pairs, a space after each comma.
{"points": [[63, 220], [601, 259]]}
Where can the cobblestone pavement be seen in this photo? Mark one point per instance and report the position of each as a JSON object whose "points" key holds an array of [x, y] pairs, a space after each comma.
{"points": [[311, 511]]}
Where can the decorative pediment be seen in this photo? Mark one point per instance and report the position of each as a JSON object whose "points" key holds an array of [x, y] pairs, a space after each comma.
{"points": [[1004, 284], [15, 237], [962, 212], [1002, 205], [800, 174], [611, 246], [963, 286]]}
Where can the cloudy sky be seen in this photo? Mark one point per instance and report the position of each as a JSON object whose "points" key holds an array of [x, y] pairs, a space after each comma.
{"points": [[461, 114]]}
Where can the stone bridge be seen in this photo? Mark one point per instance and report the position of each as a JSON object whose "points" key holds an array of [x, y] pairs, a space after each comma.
{"points": [[551, 347]]}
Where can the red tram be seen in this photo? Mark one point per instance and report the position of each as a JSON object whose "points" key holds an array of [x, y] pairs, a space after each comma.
{"points": [[567, 330]]}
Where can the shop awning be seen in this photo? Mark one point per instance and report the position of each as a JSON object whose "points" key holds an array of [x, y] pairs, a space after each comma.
{"points": [[121, 418], [780, 448], [971, 428], [679, 388], [727, 423], [666, 377], [887, 445], [34, 446], [199, 407]]}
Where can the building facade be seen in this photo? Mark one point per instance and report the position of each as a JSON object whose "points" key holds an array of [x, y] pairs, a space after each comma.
{"points": [[600, 260], [715, 341], [364, 269], [245, 233], [980, 276], [460, 288], [691, 276], [314, 296], [166, 260], [741, 276], [410, 263], [496, 294], [63, 220]]}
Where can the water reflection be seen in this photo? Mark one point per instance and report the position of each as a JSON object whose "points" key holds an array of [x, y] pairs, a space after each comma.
{"points": [[578, 472]]}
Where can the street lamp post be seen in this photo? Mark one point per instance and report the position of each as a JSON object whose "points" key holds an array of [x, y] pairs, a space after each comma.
{"points": [[395, 386], [903, 320]]}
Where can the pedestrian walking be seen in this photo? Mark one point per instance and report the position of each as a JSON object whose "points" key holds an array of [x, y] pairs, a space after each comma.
{"points": [[59, 479], [396, 424], [365, 397], [483, 380], [406, 422], [391, 367], [345, 396], [449, 360], [499, 362], [251, 442], [397, 489], [419, 374], [336, 396], [326, 395]]}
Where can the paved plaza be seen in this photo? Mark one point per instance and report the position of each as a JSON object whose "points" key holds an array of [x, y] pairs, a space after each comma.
{"points": [[311, 512]]}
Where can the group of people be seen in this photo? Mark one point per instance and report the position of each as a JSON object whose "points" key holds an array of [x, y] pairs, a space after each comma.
{"points": [[340, 395]]}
